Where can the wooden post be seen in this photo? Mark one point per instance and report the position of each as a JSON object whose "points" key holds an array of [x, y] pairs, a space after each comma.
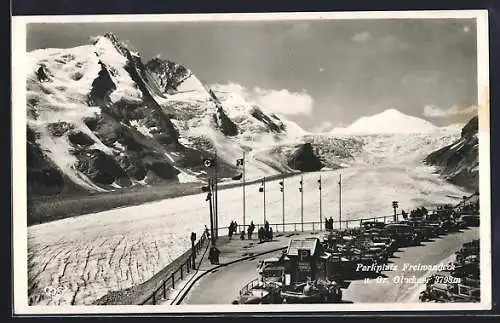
{"points": [[173, 280], [154, 298], [182, 274], [164, 290]]}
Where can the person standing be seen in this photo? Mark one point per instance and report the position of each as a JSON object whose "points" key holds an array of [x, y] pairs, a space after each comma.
{"points": [[230, 230]]}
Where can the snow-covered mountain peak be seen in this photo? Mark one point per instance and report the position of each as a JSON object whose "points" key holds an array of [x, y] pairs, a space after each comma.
{"points": [[390, 121], [100, 118]]}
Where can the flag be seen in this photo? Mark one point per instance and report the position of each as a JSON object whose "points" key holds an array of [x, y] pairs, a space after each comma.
{"points": [[239, 162], [319, 181], [300, 189], [209, 195], [209, 162], [261, 189], [238, 177], [281, 189], [205, 189]]}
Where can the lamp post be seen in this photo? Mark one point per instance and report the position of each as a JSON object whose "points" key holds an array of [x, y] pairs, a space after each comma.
{"points": [[208, 189], [395, 206], [241, 162]]}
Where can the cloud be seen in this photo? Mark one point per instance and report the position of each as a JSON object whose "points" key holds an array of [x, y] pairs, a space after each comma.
{"points": [[437, 112], [362, 36], [321, 69], [324, 126], [284, 101], [279, 101]]}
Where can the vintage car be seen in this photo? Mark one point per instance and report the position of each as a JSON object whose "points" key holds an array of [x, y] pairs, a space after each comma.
{"points": [[372, 225], [429, 231], [470, 220], [319, 291], [270, 269], [403, 234], [434, 221], [260, 293], [468, 253], [444, 287]]}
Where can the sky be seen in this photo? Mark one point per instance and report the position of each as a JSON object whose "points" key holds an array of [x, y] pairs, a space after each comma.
{"points": [[318, 73]]}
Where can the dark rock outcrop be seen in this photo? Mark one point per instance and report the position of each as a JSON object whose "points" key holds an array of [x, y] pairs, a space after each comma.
{"points": [[101, 168], [168, 74], [459, 162], [305, 160], [275, 126], [226, 125], [102, 87]]}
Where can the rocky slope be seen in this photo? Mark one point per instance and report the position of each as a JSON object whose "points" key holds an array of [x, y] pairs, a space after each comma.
{"points": [[459, 161], [100, 119]]}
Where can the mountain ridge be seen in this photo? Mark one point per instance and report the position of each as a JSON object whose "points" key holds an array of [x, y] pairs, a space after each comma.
{"points": [[100, 119], [459, 161]]}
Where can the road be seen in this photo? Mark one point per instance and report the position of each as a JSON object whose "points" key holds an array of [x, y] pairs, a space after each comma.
{"points": [[222, 286], [93, 254]]}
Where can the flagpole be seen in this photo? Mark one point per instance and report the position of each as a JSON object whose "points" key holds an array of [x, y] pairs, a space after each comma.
{"points": [[283, 201], [340, 201], [216, 197], [210, 189], [264, 188], [244, 195], [320, 209], [302, 201]]}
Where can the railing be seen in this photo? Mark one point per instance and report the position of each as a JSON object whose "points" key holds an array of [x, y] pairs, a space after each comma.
{"points": [[182, 266], [307, 226]]}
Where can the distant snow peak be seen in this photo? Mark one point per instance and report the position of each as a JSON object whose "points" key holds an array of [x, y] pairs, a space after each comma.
{"points": [[390, 121]]}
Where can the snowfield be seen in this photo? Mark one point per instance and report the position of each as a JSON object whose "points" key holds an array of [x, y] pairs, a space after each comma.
{"points": [[96, 253]]}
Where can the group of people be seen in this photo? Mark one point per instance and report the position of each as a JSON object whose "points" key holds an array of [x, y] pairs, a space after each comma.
{"points": [[233, 228], [329, 223], [265, 233]]}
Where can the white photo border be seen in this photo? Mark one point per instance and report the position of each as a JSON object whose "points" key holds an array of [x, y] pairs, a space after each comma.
{"points": [[19, 185]]}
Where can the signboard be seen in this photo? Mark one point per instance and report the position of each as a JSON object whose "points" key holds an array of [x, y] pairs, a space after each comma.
{"points": [[304, 261]]}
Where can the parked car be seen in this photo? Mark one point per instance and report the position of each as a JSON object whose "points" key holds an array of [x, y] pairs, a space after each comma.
{"points": [[470, 220], [403, 234]]}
